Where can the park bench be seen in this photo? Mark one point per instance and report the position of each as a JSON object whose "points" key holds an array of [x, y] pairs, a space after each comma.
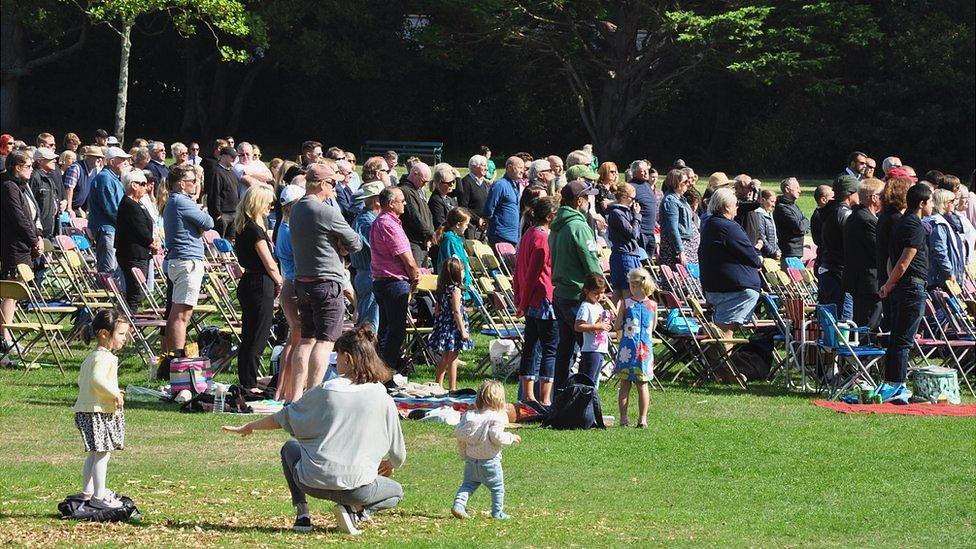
{"points": [[429, 149]]}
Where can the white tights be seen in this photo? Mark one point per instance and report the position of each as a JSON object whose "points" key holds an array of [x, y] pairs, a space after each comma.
{"points": [[94, 473]]}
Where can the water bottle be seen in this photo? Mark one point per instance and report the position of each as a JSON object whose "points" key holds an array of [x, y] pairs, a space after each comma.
{"points": [[219, 396]]}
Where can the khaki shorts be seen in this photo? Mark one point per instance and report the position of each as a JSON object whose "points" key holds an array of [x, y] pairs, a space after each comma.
{"points": [[187, 278]]}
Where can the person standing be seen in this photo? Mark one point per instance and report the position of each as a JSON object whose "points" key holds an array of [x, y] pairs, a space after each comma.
{"points": [[106, 193], [78, 177], [830, 273], [366, 307], [287, 299], [767, 226], [416, 218], [157, 160], [48, 189], [676, 219], [135, 241], [222, 197], [472, 192], [856, 162], [395, 274], [441, 203], [947, 252], [501, 209], [905, 288], [860, 277], [319, 237], [647, 200], [573, 248], [20, 238], [791, 224]]}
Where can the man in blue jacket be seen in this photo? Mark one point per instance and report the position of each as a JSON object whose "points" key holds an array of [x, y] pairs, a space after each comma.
{"points": [[103, 208], [501, 208]]}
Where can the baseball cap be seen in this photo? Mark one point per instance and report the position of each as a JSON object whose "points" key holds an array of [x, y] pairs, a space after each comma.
{"points": [[575, 189], [115, 152], [320, 172], [101, 133], [369, 190], [540, 165], [291, 193], [112, 140], [581, 170], [92, 150], [229, 151], [901, 172], [44, 153], [844, 186]]}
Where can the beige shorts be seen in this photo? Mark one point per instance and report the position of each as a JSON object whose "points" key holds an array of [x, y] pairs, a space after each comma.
{"points": [[187, 278]]}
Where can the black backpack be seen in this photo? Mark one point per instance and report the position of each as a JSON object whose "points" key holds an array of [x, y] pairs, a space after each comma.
{"points": [[577, 406], [74, 507]]}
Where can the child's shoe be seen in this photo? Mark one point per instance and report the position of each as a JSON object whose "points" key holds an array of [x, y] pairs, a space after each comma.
{"points": [[346, 518], [107, 502], [460, 512], [501, 516]]}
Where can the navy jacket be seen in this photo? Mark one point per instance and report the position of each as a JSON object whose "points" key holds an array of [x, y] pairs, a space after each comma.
{"points": [[729, 262], [624, 230], [646, 197]]}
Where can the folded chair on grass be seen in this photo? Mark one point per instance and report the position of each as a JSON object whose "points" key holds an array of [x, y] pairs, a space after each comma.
{"points": [[144, 332], [851, 371], [27, 329]]}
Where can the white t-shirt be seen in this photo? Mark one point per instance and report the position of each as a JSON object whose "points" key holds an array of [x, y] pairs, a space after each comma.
{"points": [[591, 313]]}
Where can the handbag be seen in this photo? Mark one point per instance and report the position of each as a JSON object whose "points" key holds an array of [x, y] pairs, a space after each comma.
{"points": [[191, 374], [677, 324]]}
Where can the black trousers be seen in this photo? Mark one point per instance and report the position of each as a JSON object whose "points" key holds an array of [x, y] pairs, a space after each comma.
{"points": [[256, 293], [133, 290]]}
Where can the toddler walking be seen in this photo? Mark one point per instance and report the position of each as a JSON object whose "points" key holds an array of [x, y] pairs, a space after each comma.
{"points": [[450, 334], [481, 435], [594, 322], [636, 319], [98, 410]]}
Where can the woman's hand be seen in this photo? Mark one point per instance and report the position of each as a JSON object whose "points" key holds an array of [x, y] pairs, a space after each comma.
{"points": [[385, 469], [243, 430]]}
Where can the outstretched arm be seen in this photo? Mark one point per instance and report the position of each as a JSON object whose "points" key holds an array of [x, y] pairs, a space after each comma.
{"points": [[267, 423]]}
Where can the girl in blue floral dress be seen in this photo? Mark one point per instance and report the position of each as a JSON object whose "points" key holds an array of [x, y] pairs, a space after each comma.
{"points": [[636, 319], [450, 335]]}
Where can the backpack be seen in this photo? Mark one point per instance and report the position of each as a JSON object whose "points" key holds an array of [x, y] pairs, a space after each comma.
{"points": [[74, 507], [577, 406], [751, 360], [214, 345]]}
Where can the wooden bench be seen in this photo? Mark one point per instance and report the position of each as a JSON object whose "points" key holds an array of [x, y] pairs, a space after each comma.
{"points": [[429, 149]]}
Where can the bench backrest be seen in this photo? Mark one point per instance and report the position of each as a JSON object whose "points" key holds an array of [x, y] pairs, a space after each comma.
{"points": [[431, 149]]}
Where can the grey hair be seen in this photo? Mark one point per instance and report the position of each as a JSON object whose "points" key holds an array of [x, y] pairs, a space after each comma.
{"points": [[140, 155], [344, 165], [785, 184], [636, 165], [477, 160], [721, 200], [130, 178], [155, 146], [387, 194], [443, 172], [177, 148], [577, 158]]}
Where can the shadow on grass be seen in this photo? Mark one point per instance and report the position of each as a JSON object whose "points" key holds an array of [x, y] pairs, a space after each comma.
{"points": [[230, 528], [755, 389], [131, 405]]}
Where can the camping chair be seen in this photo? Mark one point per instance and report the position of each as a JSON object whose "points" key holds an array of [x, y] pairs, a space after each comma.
{"points": [[835, 341], [26, 332]]}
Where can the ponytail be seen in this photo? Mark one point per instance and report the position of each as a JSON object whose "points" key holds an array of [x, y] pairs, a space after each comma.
{"points": [[365, 365]]}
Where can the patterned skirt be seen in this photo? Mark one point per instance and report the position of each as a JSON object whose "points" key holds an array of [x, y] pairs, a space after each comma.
{"points": [[101, 432]]}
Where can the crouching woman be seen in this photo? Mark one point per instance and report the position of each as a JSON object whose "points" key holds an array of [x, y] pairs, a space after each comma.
{"points": [[347, 438]]}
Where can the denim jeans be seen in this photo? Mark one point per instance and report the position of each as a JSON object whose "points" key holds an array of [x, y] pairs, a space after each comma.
{"points": [[591, 363], [366, 304], [382, 493], [483, 471], [544, 354], [831, 292], [105, 261], [907, 306], [393, 297], [569, 338]]}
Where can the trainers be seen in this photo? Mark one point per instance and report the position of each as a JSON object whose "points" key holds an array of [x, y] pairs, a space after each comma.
{"points": [[108, 502], [302, 524], [346, 519], [896, 393], [501, 516], [460, 512]]}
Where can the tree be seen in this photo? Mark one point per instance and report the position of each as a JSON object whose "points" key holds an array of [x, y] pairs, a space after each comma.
{"points": [[618, 56], [219, 16]]}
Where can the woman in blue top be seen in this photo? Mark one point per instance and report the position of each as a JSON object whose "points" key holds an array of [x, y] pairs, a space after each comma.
{"points": [[288, 299], [676, 219], [946, 247]]}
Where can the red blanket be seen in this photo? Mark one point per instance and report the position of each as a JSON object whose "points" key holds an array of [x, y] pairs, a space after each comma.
{"points": [[964, 410]]}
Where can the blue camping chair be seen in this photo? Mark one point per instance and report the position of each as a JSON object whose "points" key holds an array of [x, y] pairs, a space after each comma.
{"points": [[849, 370]]}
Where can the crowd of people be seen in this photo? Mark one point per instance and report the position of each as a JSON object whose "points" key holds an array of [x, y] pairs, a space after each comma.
{"points": [[312, 235]]}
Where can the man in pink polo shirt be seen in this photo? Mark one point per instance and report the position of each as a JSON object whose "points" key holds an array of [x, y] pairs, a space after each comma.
{"points": [[395, 274]]}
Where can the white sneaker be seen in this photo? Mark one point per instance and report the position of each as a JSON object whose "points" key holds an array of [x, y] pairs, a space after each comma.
{"points": [[108, 502], [346, 520]]}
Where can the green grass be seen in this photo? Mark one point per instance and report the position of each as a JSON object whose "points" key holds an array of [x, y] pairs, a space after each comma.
{"points": [[718, 466]]}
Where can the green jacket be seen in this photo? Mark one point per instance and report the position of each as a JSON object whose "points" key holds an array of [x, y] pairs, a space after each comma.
{"points": [[573, 248]]}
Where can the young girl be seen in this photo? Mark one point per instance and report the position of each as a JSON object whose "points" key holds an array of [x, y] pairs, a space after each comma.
{"points": [[636, 319], [593, 321], [481, 435], [450, 242], [450, 335], [98, 410]]}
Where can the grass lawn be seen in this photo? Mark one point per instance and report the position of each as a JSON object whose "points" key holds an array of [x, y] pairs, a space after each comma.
{"points": [[718, 466]]}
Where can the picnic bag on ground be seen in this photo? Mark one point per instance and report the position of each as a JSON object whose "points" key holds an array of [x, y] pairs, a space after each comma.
{"points": [[74, 507], [576, 407], [191, 374]]}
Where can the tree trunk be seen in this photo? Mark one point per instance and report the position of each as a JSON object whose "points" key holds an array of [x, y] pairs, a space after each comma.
{"points": [[122, 98], [242, 92]]}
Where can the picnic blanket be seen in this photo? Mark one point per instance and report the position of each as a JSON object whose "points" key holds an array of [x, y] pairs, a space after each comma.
{"points": [[921, 409], [405, 405]]}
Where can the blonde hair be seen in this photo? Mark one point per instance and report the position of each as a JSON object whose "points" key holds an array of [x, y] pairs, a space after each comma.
{"points": [[940, 198], [491, 396], [643, 278], [253, 207]]}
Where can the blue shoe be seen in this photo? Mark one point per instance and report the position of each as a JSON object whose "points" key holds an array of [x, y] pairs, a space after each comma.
{"points": [[896, 393], [460, 512], [501, 516]]}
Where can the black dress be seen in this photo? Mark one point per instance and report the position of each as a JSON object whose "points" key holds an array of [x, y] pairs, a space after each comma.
{"points": [[132, 240]]}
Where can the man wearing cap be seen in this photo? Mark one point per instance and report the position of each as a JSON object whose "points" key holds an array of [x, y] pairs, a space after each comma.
{"points": [[369, 202], [542, 174], [222, 195], [791, 224], [416, 217], [103, 208], [157, 160], [78, 177], [574, 255], [501, 208], [831, 252], [856, 161], [647, 198], [101, 139], [472, 193], [48, 189], [319, 237]]}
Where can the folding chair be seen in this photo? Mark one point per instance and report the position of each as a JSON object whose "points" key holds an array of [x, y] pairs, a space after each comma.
{"points": [[418, 337], [836, 342], [507, 253], [721, 356], [27, 332], [145, 331]]}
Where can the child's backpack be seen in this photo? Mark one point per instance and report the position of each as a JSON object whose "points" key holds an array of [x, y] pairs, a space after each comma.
{"points": [[74, 507], [576, 407]]}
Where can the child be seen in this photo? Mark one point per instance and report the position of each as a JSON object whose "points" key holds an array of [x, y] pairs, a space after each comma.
{"points": [[636, 319], [594, 323], [98, 410], [450, 335], [481, 435]]}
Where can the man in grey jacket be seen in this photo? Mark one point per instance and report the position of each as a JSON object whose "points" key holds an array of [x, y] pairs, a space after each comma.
{"points": [[791, 224], [319, 236]]}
